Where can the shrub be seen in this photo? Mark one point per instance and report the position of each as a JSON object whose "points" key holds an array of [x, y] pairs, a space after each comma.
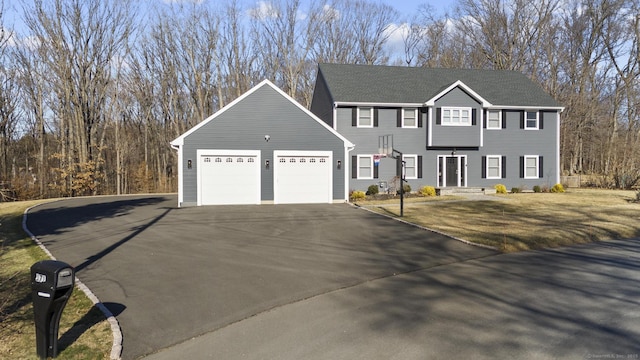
{"points": [[515, 190], [638, 196], [500, 189], [372, 189], [358, 195], [557, 188], [545, 188], [428, 191], [537, 189], [406, 188]]}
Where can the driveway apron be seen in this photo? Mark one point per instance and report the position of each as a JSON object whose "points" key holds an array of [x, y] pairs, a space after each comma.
{"points": [[171, 274]]}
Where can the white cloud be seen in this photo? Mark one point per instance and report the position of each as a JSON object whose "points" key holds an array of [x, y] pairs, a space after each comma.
{"points": [[263, 10]]}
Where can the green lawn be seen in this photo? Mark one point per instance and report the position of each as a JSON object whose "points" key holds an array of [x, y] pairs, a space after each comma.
{"points": [[84, 332]]}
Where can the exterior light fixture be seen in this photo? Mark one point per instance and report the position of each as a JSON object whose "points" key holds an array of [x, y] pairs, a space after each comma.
{"points": [[266, 163], [339, 164], [189, 164]]}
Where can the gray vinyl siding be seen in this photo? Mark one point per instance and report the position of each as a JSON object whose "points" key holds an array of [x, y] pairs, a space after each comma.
{"points": [[321, 103], [244, 126], [410, 141], [456, 136], [511, 142], [514, 142]]}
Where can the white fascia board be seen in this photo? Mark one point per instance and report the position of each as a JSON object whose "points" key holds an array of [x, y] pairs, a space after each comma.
{"points": [[463, 86], [374, 104], [535, 108]]}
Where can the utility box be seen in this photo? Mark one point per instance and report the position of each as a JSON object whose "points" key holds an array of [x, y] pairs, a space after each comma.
{"points": [[51, 285]]}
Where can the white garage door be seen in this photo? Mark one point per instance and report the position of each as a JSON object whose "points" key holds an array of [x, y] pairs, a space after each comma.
{"points": [[302, 177], [228, 177]]}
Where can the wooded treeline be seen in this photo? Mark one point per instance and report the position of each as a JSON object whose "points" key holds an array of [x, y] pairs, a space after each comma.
{"points": [[92, 91]]}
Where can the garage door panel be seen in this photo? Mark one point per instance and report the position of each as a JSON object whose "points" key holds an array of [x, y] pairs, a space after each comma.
{"points": [[227, 179], [303, 178]]}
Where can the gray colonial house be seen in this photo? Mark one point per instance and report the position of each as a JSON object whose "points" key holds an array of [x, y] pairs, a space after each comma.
{"points": [[455, 128], [263, 147]]}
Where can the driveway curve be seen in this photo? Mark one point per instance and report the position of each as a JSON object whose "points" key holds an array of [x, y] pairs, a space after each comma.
{"points": [[171, 274]]}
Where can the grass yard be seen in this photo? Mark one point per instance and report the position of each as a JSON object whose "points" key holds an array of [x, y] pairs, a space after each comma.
{"points": [[525, 221], [84, 332]]}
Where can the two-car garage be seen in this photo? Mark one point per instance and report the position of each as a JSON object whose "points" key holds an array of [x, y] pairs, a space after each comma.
{"points": [[232, 177], [263, 148]]}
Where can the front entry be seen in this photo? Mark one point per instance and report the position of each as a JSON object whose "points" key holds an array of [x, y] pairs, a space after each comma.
{"points": [[452, 171]]}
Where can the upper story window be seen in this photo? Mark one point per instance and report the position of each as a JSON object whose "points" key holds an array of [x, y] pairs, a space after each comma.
{"points": [[365, 117], [454, 116], [531, 120], [410, 118], [494, 119]]}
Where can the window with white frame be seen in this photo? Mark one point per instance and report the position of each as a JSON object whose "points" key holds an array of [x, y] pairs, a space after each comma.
{"points": [[531, 164], [494, 166], [531, 120], [494, 119], [365, 117], [454, 116], [410, 118], [365, 167], [410, 166]]}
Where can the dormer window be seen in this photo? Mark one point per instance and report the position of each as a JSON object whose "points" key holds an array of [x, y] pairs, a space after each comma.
{"points": [[456, 116]]}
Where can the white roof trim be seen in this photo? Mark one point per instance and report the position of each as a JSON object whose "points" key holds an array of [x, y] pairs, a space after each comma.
{"points": [[374, 104], [432, 101], [511, 107], [179, 141]]}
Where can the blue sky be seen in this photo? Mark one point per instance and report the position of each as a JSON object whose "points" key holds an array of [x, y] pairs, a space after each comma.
{"points": [[407, 7]]}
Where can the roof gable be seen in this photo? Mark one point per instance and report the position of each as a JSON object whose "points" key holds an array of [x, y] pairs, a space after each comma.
{"points": [[179, 141], [413, 85]]}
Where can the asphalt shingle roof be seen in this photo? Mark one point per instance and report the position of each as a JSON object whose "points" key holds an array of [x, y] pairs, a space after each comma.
{"points": [[398, 84]]}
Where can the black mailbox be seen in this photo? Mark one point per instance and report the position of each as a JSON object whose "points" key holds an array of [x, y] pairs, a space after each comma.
{"points": [[51, 284]]}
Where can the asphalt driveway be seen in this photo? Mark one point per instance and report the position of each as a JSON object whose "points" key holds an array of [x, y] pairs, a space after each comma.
{"points": [[173, 274]]}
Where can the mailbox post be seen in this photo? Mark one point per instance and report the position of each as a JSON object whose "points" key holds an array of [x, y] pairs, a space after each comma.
{"points": [[51, 285]]}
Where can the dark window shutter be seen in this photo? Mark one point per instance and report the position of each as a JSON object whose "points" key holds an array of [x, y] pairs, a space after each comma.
{"points": [[438, 116], [485, 120], [375, 117], [399, 118], [419, 166], [484, 167], [504, 119], [354, 116], [375, 171], [521, 119], [354, 167], [419, 119], [521, 167], [474, 117], [540, 120], [540, 170], [504, 167]]}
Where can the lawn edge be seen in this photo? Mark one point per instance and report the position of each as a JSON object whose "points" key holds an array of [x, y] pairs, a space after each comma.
{"points": [[489, 247], [116, 348]]}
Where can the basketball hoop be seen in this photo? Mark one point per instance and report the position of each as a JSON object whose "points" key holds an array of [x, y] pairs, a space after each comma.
{"points": [[385, 145]]}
